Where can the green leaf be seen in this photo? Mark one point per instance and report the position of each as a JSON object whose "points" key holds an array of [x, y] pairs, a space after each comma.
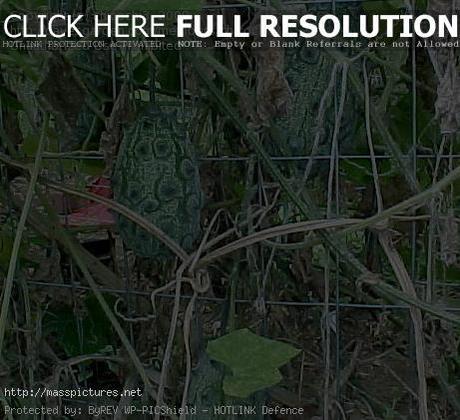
{"points": [[242, 385], [252, 359]]}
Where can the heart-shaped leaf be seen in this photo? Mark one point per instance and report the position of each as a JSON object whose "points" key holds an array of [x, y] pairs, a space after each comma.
{"points": [[252, 359]]}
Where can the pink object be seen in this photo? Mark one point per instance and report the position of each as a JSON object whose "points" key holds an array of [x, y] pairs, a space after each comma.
{"points": [[91, 213], [94, 214], [101, 186]]}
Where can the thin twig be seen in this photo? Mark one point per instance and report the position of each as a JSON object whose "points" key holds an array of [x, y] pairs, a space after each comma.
{"points": [[172, 331], [188, 354], [416, 315], [327, 270], [375, 173]]}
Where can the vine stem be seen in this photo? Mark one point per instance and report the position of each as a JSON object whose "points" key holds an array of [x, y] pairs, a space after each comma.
{"points": [[8, 288]]}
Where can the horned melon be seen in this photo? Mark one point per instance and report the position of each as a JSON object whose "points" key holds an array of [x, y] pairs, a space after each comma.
{"points": [[308, 72], [156, 175]]}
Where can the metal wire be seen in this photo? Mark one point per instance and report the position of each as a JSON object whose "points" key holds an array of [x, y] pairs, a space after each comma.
{"points": [[376, 306], [407, 157]]}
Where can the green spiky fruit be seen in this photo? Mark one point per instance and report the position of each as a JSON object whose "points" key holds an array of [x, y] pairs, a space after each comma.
{"points": [[308, 72], [157, 176]]}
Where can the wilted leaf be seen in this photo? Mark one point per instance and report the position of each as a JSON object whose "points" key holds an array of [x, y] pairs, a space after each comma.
{"points": [[449, 239], [448, 103], [274, 96]]}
